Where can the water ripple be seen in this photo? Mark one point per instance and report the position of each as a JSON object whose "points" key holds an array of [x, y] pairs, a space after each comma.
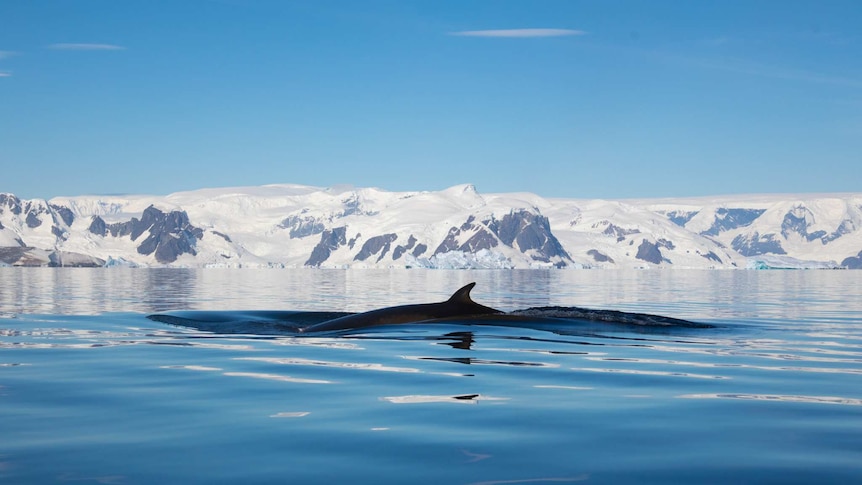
{"points": [[779, 397], [649, 372], [277, 377], [323, 363]]}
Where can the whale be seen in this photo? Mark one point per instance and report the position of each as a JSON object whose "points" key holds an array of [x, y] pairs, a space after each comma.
{"points": [[458, 305]]}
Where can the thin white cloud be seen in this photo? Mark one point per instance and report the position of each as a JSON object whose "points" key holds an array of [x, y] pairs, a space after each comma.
{"points": [[5, 74], [86, 47], [6, 54], [521, 33]]}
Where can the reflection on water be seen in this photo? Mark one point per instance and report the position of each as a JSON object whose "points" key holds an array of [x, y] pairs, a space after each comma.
{"points": [[695, 295]]}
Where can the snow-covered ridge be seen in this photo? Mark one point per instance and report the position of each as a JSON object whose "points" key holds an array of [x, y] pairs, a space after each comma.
{"points": [[346, 227]]}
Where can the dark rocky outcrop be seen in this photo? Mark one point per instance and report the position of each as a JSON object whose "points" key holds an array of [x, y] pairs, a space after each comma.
{"points": [[419, 250], [531, 232], [755, 244], [11, 203], [98, 226], [330, 240], [853, 262], [34, 257], [482, 239], [401, 249], [712, 257], [846, 227], [353, 206], [64, 213], [727, 219], [374, 245], [665, 243], [522, 230], [681, 218], [302, 226], [619, 232], [353, 240], [222, 235], [33, 220], [169, 234], [35, 210], [797, 221], [600, 257], [650, 252], [13, 255]]}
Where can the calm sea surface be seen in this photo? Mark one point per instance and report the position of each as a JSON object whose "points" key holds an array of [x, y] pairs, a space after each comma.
{"points": [[91, 391]]}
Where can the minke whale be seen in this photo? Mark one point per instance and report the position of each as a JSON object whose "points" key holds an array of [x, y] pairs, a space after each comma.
{"points": [[458, 305]]}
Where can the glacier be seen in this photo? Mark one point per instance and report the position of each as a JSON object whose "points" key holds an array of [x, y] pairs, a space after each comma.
{"points": [[294, 226]]}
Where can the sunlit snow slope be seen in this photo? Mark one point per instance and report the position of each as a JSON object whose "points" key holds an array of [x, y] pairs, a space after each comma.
{"points": [[341, 227]]}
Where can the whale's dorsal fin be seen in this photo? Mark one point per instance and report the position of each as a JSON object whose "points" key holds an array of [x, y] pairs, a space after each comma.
{"points": [[462, 295]]}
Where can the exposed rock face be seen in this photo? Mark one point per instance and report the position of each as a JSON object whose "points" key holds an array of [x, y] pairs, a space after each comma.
{"points": [[799, 219], [35, 211], [98, 226], [374, 245], [169, 235], [400, 250], [353, 206], [712, 257], [279, 226], [302, 226], [532, 233], [755, 244], [522, 230], [419, 250], [650, 252], [330, 240], [728, 219], [17, 256], [64, 213], [846, 227], [853, 262], [481, 239], [222, 235], [681, 218], [33, 220], [34, 257], [619, 232], [600, 257], [11, 203], [353, 240]]}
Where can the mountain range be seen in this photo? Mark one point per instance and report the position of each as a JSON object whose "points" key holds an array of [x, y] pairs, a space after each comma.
{"points": [[346, 227]]}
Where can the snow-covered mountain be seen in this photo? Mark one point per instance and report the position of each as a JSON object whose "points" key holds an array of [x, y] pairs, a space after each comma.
{"points": [[340, 227]]}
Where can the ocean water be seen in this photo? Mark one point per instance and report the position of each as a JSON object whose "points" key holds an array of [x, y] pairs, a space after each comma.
{"points": [[92, 391]]}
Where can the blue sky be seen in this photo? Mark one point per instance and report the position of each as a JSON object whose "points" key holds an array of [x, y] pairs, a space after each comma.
{"points": [[596, 99]]}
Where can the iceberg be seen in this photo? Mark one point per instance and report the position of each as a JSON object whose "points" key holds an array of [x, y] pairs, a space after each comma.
{"points": [[787, 262]]}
